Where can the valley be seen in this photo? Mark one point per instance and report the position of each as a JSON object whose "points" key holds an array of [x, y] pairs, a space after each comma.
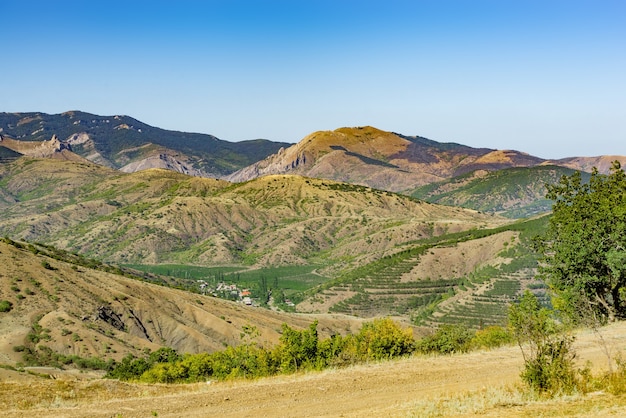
{"points": [[118, 245]]}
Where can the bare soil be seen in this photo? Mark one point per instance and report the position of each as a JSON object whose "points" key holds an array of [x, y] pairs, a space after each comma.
{"points": [[389, 389]]}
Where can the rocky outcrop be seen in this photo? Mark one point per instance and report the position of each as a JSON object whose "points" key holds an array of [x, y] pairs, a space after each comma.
{"points": [[44, 149], [164, 161], [106, 314]]}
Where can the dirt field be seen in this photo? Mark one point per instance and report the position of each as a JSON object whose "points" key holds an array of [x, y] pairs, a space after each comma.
{"points": [[410, 387]]}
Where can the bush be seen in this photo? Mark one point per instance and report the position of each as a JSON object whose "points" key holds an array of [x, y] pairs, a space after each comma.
{"points": [[447, 339], [383, 339], [551, 371], [298, 350], [492, 337], [547, 351], [5, 306]]}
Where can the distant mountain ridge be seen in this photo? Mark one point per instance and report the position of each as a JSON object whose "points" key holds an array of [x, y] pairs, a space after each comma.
{"points": [[127, 144], [390, 161], [364, 156]]}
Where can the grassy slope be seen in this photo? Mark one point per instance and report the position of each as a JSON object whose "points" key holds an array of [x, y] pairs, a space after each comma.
{"points": [[164, 217], [513, 192]]}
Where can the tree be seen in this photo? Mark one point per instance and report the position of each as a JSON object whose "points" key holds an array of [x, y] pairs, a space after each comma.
{"points": [[584, 248]]}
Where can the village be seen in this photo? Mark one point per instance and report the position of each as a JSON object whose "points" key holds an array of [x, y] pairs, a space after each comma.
{"points": [[233, 292]]}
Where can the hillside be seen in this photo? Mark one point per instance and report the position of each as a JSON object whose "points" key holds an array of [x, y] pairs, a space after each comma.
{"points": [[379, 159], [74, 309], [322, 230], [157, 216], [125, 143], [513, 192], [467, 278]]}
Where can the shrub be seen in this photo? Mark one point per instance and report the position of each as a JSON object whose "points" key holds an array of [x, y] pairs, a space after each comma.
{"points": [[447, 339], [297, 348], [492, 337], [547, 351], [551, 370], [384, 339]]}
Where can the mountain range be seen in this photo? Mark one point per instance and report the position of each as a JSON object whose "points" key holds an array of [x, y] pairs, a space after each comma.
{"points": [[358, 219], [420, 167], [127, 144]]}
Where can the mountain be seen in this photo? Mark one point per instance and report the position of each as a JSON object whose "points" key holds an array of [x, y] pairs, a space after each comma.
{"points": [[127, 144], [512, 192], [379, 159], [602, 163]]}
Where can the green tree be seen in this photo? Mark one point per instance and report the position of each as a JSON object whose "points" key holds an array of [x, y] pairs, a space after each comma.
{"points": [[584, 248]]}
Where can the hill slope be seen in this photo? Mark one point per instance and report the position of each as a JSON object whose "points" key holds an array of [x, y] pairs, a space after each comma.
{"points": [[158, 216], [76, 310], [125, 143], [478, 384], [513, 192]]}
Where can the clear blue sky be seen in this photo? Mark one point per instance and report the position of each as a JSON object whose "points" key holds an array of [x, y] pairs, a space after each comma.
{"points": [[544, 77]]}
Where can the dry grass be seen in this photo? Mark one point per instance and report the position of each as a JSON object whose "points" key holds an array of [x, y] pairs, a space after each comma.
{"points": [[67, 393], [516, 402]]}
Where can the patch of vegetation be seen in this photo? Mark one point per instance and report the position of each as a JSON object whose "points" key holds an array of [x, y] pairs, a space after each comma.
{"points": [[42, 355], [494, 192], [5, 306], [447, 339], [298, 350]]}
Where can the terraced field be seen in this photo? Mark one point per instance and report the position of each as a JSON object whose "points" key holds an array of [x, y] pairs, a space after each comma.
{"points": [[468, 279]]}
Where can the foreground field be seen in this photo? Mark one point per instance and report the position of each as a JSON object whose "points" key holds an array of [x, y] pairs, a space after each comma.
{"points": [[484, 383]]}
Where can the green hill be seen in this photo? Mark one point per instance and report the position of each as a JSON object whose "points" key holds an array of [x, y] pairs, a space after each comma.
{"points": [[511, 192]]}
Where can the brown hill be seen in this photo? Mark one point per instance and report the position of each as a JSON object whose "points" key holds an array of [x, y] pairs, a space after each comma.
{"points": [[157, 216], [380, 159], [603, 163], [75, 310]]}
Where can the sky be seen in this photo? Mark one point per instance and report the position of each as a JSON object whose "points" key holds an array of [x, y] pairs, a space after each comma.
{"points": [[543, 77]]}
